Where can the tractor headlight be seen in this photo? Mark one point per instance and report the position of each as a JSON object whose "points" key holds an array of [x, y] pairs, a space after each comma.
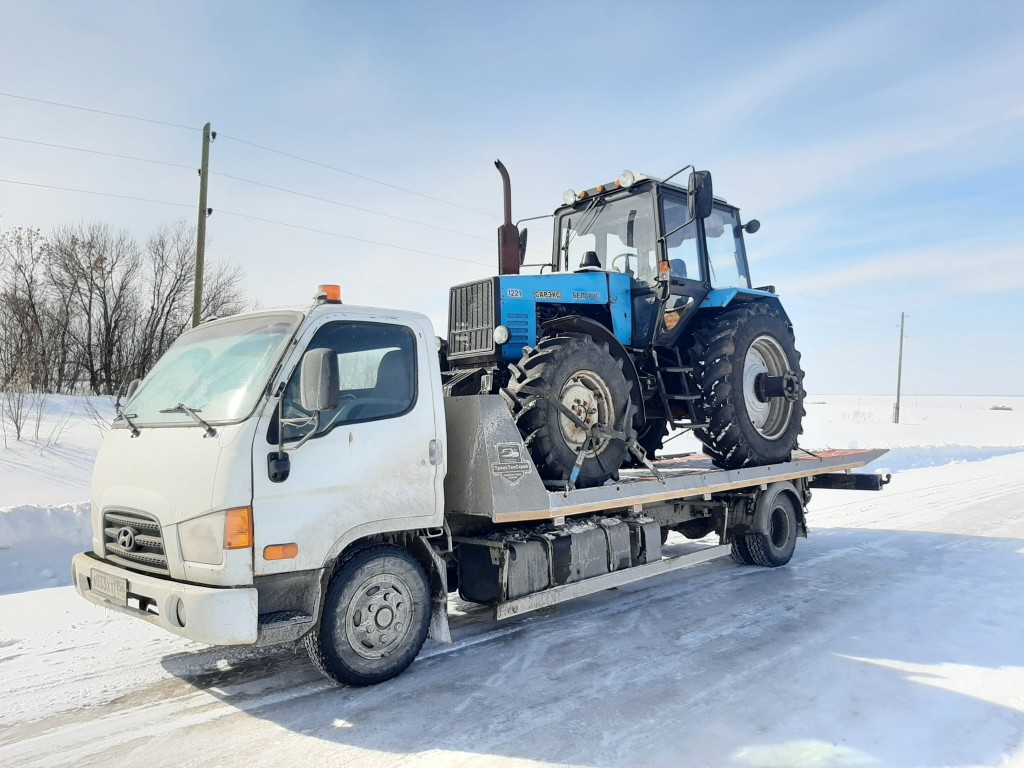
{"points": [[501, 334], [202, 539], [626, 179], [569, 197]]}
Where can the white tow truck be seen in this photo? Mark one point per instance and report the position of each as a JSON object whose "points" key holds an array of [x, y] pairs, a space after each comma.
{"points": [[301, 475]]}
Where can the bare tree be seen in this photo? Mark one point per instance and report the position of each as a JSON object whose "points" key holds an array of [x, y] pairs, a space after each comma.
{"points": [[101, 272]]}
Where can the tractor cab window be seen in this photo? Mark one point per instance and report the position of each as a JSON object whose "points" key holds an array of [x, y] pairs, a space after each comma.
{"points": [[620, 233], [681, 244], [725, 249]]}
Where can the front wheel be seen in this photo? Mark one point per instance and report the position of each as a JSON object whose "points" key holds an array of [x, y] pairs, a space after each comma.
{"points": [[375, 617], [751, 387], [580, 375]]}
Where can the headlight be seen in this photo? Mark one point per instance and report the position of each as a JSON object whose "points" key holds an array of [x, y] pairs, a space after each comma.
{"points": [[202, 539], [501, 334]]}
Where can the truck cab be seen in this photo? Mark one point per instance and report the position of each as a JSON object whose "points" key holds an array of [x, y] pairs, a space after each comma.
{"points": [[215, 487]]}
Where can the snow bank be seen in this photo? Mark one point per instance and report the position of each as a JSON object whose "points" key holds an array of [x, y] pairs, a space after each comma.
{"points": [[37, 543]]}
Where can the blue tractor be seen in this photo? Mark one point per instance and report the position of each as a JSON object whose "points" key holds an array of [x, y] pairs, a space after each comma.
{"points": [[644, 321]]}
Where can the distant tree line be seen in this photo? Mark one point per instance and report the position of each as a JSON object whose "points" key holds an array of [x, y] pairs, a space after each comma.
{"points": [[85, 309]]}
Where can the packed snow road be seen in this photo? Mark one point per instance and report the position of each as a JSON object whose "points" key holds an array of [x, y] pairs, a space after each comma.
{"points": [[894, 638]]}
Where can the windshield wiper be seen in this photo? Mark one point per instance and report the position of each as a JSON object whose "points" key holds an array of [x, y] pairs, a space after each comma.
{"points": [[182, 408], [128, 421]]}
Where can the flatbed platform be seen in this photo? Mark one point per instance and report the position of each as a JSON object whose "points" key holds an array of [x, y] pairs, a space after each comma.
{"points": [[499, 481]]}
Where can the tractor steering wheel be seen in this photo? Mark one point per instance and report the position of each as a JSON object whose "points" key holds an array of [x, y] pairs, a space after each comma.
{"points": [[625, 257]]}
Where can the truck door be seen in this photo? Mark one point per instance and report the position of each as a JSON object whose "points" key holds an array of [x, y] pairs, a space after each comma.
{"points": [[372, 464]]}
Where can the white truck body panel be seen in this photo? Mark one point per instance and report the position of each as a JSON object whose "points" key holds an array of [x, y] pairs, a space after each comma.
{"points": [[358, 479]]}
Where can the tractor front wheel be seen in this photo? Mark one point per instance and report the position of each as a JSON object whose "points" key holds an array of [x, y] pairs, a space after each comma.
{"points": [[751, 387], [572, 373]]}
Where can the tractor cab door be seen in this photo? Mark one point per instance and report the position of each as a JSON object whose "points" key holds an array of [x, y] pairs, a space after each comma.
{"points": [[688, 285]]}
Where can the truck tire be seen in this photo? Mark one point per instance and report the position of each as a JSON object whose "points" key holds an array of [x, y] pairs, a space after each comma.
{"points": [[375, 617], [580, 373], [775, 547], [739, 551], [731, 352]]}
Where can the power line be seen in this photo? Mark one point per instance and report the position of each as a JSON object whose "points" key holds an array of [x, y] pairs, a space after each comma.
{"points": [[246, 181], [101, 194], [353, 174], [251, 144], [350, 237], [100, 112], [347, 205], [98, 152], [244, 216]]}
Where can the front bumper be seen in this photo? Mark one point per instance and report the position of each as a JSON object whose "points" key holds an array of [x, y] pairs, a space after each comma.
{"points": [[212, 615]]}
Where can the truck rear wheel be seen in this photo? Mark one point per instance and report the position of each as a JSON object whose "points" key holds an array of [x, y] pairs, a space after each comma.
{"points": [[751, 387], [775, 547], [375, 617], [580, 374]]}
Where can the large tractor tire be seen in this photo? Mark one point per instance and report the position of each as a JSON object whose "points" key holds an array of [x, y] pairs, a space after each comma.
{"points": [[747, 371], [580, 373]]}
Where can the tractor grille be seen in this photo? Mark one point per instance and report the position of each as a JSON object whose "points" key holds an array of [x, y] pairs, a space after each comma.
{"points": [[471, 320], [145, 551]]}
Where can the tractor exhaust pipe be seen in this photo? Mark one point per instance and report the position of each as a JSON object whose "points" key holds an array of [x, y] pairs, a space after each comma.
{"points": [[508, 233]]}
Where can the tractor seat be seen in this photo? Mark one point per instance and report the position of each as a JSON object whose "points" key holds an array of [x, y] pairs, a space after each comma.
{"points": [[677, 268], [590, 263]]}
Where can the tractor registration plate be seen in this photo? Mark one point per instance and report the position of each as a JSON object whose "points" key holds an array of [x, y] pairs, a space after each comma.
{"points": [[111, 587]]}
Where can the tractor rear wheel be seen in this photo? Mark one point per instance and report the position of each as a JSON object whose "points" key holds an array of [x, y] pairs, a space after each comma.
{"points": [[580, 374], [751, 386]]}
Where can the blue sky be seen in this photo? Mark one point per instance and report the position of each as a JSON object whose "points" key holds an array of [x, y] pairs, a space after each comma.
{"points": [[879, 144]]}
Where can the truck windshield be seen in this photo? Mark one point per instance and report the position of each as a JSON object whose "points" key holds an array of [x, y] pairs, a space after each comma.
{"points": [[620, 232], [217, 370]]}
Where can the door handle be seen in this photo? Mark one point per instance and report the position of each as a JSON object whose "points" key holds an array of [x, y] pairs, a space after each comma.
{"points": [[436, 453]]}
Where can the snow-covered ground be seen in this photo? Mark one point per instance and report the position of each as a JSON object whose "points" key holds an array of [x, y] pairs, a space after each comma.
{"points": [[894, 638]]}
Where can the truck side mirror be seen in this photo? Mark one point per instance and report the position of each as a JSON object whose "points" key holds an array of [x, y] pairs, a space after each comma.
{"points": [[522, 246], [700, 196], [318, 380]]}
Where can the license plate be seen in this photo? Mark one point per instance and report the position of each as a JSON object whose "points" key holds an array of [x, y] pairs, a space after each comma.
{"points": [[111, 587]]}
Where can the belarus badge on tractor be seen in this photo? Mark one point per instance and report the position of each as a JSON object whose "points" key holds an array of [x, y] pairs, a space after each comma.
{"points": [[645, 321]]}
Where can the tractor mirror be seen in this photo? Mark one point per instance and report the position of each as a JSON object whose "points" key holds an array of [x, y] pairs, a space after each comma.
{"points": [[522, 246], [318, 380], [700, 195]]}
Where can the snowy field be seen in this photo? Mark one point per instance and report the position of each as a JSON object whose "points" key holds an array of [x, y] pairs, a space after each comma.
{"points": [[894, 638]]}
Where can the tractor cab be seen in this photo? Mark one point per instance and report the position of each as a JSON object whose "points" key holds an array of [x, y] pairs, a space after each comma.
{"points": [[644, 228]]}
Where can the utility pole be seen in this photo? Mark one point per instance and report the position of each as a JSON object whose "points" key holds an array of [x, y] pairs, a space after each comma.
{"points": [[197, 299], [899, 376]]}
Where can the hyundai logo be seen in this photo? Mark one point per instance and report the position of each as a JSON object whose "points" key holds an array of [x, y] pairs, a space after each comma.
{"points": [[126, 539]]}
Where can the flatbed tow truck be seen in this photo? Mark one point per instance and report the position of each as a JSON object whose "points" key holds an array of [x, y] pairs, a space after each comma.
{"points": [[301, 475]]}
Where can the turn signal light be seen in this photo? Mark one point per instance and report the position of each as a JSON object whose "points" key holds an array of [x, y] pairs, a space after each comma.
{"points": [[664, 270], [238, 528], [280, 551]]}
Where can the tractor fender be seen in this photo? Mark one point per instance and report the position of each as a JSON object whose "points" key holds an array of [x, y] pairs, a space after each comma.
{"points": [[720, 298], [584, 325]]}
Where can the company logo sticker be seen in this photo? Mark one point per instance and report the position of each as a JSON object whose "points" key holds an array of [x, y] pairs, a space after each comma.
{"points": [[510, 463], [586, 295], [547, 294]]}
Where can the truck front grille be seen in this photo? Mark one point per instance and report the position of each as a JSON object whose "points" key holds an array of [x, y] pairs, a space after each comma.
{"points": [[471, 320], [134, 540]]}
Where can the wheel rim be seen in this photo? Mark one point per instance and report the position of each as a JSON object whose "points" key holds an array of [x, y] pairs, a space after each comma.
{"points": [[778, 528], [378, 618], [587, 396], [766, 356]]}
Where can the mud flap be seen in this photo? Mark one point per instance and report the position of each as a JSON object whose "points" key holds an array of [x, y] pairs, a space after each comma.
{"points": [[438, 629]]}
